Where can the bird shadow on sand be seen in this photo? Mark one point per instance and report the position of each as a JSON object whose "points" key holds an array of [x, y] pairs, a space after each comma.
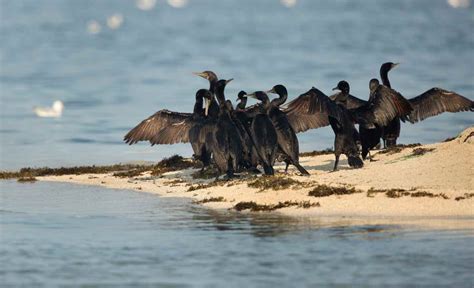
{"points": [[328, 165]]}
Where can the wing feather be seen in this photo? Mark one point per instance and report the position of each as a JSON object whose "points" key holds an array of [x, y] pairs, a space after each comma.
{"points": [[150, 127], [436, 101]]}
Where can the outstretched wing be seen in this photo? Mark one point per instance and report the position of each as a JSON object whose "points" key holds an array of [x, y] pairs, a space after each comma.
{"points": [[311, 110], [436, 101], [385, 105], [150, 127], [352, 101]]}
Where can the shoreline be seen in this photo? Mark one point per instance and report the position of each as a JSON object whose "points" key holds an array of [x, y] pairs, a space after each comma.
{"points": [[429, 182]]}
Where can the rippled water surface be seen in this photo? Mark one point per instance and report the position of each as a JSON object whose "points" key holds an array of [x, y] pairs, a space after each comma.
{"points": [[61, 234], [112, 80], [57, 234]]}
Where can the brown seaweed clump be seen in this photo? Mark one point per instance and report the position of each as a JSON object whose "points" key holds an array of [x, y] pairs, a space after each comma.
{"points": [[421, 151], [173, 163], [211, 199], [275, 183], [466, 196], [27, 179], [254, 207], [325, 191], [327, 151]]}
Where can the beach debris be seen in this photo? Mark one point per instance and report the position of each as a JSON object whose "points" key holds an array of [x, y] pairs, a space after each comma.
{"points": [[27, 179], [398, 193], [54, 111], [466, 196], [254, 207], [211, 199], [327, 151], [325, 191], [173, 163], [421, 151], [276, 182]]}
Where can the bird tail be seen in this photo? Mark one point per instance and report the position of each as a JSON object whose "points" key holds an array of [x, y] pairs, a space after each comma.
{"points": [[301, 168], [355, 161]]}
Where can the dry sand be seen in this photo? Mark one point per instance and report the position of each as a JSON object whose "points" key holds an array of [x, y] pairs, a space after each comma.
{"points": [[447, 170]]}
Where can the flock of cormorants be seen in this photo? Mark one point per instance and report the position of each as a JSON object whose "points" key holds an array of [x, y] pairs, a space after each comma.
{"points": [[241, 138]]}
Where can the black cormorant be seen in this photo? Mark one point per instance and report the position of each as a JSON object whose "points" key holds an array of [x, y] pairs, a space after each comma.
{"points": [[288, 144], [168, 127], [224, 138], [263, 132], [383, 106]]}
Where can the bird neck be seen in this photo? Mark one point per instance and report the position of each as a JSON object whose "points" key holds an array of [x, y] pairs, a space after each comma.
{"points": [[384, 77], [220, 95], [242, 104], [212, 85], [198, 106]]}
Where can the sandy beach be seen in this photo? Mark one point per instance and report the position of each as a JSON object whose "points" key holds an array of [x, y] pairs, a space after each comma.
{"points": [[428, 181]]}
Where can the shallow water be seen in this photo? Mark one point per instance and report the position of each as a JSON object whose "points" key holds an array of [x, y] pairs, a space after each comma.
{"points": [[58, 234], [112, 80]]}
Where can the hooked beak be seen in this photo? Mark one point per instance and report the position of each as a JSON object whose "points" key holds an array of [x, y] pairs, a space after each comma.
{"points": [[227, 81], [336, 89], [200, 74], [271, 91], [395, 65]]}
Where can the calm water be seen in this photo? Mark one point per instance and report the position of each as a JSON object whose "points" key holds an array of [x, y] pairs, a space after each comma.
{"points": [[112, 80], [57, 234]]}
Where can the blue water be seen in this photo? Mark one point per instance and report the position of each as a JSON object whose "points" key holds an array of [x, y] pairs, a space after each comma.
{"points": [[112, 80], [55, 234], [61, 234]]}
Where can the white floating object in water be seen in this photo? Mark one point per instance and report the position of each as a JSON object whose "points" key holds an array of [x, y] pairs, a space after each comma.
{"points": [[177, 3], [93, 27], [288, 3], [146, 4], [115, 21], [55, 111], [459, 3]]}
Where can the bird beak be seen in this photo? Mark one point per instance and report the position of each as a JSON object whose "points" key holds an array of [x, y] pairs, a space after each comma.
{"points": [[395, 65], [271, 91], [200, 74], [252, 95], [227, 81], [336, 89]]}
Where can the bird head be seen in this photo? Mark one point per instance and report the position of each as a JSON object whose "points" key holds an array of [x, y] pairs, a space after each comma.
{"points": [[208, 75], [342, 86], [278, 89]]}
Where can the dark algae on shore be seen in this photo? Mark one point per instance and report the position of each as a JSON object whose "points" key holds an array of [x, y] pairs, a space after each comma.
{"points": [[172, 163], [254, 207]]}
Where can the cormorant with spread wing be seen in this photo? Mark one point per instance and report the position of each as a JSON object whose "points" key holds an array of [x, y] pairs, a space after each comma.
{"points": [[428, 104], [168, 127], [383, 106]]}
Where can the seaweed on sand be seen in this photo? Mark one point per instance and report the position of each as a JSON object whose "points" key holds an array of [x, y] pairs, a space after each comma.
{"points": [[327, 151], [254, 207], [173, 163], [211, 199], [276, 183], [325, 191]]}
